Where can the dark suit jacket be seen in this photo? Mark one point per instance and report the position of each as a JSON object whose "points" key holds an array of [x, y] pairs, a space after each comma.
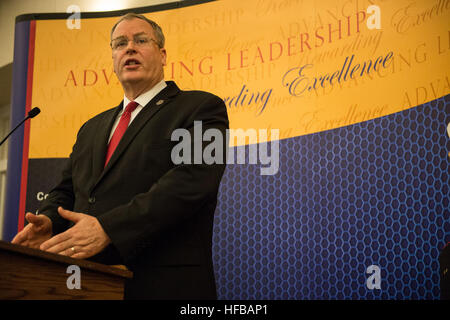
{"points": [[158, 215]]}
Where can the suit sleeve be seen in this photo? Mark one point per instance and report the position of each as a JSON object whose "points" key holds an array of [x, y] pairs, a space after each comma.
{"points": [[62, 195], [178, 195]]}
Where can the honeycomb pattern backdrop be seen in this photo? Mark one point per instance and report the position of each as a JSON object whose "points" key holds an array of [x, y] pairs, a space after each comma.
{"points": [[373, 193]]}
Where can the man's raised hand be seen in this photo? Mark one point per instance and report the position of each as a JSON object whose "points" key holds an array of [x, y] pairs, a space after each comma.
{"points": [[37, 231], [85, 239]]}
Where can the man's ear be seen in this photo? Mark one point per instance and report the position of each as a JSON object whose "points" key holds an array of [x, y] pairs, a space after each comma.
{"points": [[114, 65], [163, 56]]}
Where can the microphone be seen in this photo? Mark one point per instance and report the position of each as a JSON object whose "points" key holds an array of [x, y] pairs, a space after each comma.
{"points": [[31, 114]]}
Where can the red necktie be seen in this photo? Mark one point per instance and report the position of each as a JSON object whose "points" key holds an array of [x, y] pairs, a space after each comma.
{"points": [[120, 130]]}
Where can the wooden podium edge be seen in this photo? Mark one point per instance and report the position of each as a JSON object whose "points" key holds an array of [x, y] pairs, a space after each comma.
{"points": [[94, 266]]}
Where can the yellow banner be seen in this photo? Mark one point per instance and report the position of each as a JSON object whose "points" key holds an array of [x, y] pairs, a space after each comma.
{"points": [[297, 66]]}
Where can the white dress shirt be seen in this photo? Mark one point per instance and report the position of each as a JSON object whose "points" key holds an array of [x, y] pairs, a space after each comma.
{"points": [[142, 100]]}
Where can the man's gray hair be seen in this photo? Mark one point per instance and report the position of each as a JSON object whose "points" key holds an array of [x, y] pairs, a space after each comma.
{"points": [[156, 28]]}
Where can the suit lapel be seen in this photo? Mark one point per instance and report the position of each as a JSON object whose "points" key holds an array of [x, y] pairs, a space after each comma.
{"points": [[101, 141], [156, 104]]}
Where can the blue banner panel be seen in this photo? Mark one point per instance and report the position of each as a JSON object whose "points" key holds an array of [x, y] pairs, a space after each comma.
{"points": [[15, 151], [350, 208]]}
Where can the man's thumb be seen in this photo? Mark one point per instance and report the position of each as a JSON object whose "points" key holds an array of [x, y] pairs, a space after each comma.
{"points": [[34, 219], [68, 215]]}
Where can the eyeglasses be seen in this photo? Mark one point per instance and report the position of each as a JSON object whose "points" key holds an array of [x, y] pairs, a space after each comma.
{"points": [[121, 43]]}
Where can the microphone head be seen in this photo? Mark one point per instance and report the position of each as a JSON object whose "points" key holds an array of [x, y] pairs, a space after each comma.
{"points": [[34, 112]]}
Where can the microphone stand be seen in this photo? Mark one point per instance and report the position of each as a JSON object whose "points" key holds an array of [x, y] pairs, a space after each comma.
{"points": [[31, 114]]}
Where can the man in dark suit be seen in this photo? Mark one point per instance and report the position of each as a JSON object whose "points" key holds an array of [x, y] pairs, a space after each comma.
{"points": [[121, 199]]}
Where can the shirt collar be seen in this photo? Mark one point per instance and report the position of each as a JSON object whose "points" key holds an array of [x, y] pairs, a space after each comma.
{"points": [[145, 98]]}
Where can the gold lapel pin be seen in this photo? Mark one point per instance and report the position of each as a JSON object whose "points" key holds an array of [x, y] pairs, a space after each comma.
{"points": [[160, 102]]}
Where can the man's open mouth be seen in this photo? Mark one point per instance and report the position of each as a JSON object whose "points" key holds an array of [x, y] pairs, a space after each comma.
{"points": [[132, 62]]}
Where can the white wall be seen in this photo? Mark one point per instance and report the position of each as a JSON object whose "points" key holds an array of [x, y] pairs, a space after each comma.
{"points": [[4, 127]]}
